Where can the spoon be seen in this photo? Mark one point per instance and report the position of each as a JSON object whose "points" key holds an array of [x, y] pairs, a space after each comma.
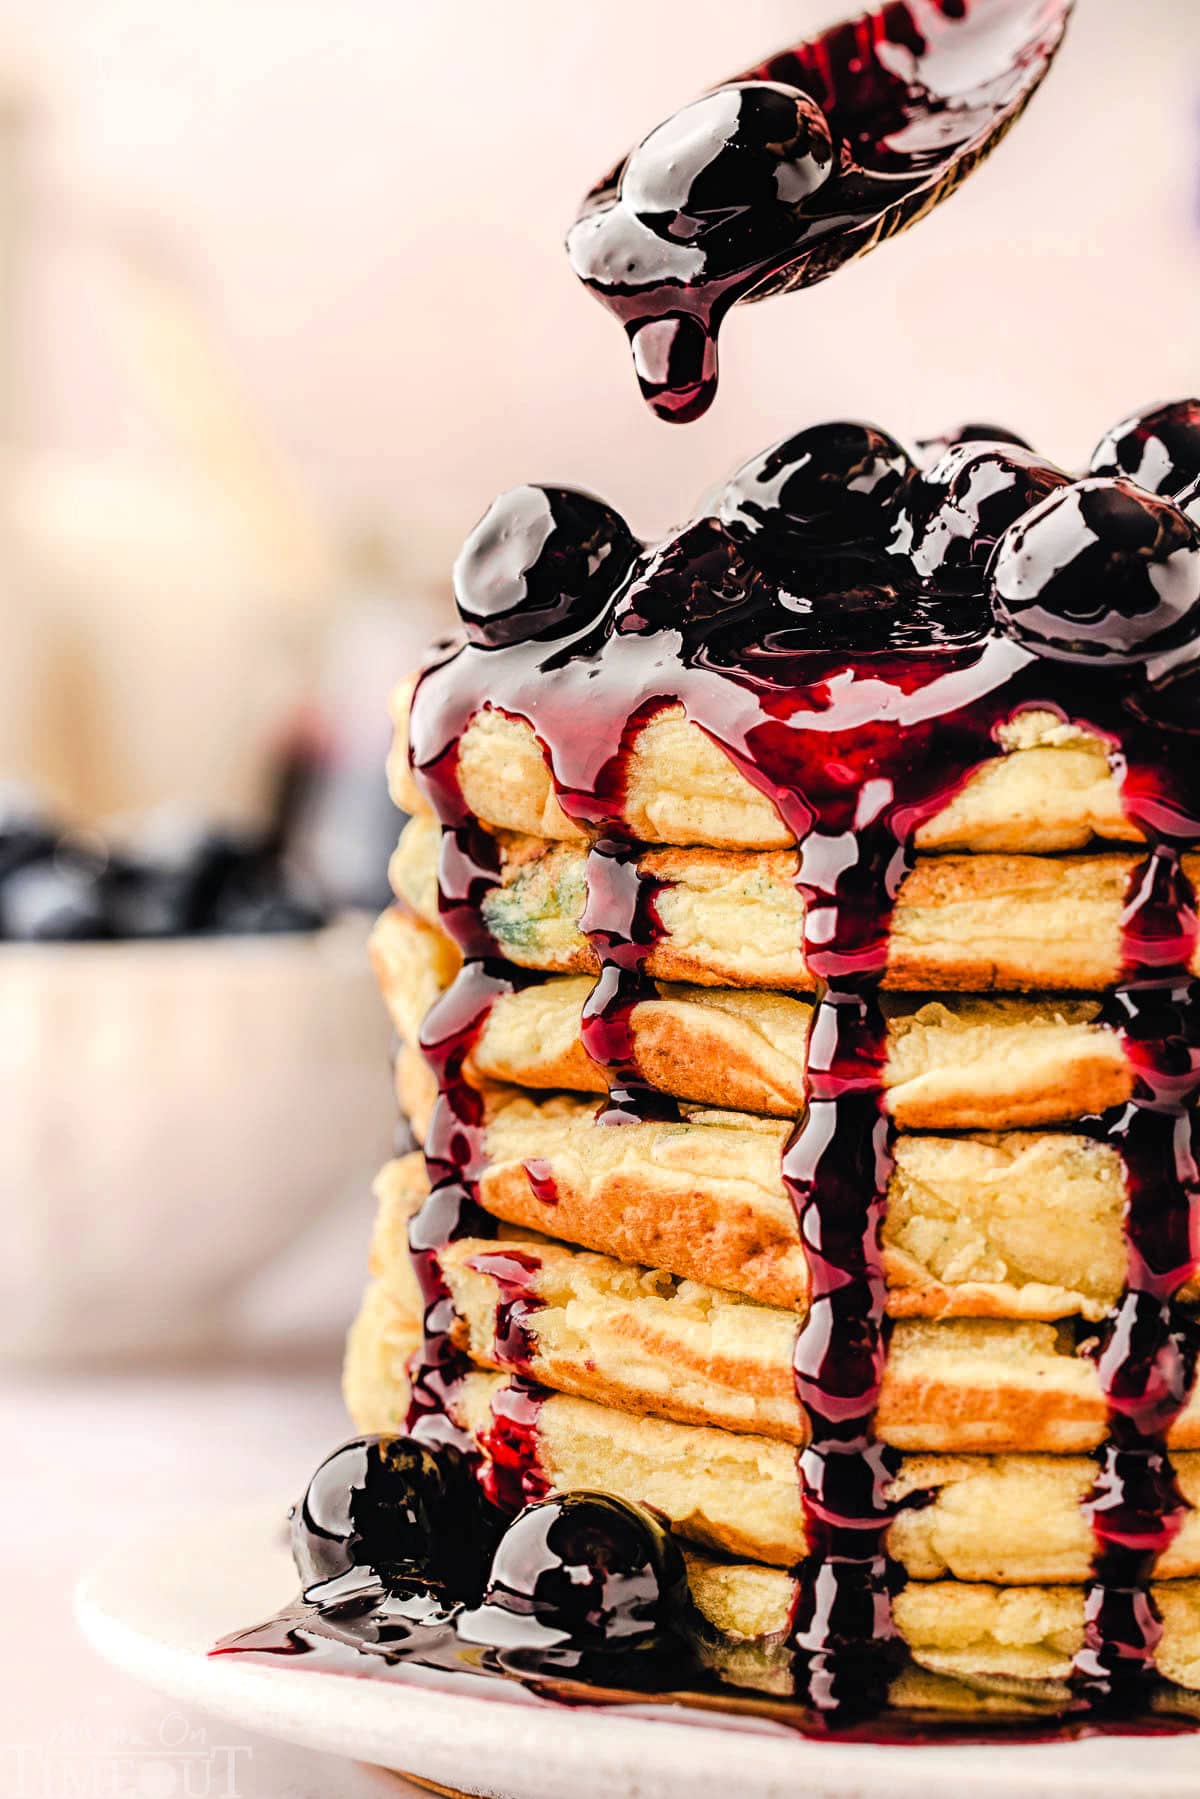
{"points": [[775, 179]]}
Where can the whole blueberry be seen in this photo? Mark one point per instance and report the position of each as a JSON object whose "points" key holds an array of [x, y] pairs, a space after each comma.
{"points": [[541, 562], [58, 899], [26, 835], [960, 507], [1100, 571], [393, 1512], [750, 152], [270, 911], [929, 450], [585, 1572], [173, 882], [1159, 448], [187, 878], [830, 486]]}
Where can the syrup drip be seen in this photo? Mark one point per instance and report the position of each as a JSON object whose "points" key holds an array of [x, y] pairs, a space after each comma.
{"points": [[455, 1157], [540, 1175], [836, 1168], [622, 926], [515, 1273], [511, 1473], [915, 95], [1146, 1357]]}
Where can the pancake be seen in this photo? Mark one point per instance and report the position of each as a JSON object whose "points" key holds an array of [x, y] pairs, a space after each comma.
{"points": [[969, 924], [956, 1063], [1048, 788], [975, 1647], [1016, 1224], [1005, 1518], [641, 1340]]}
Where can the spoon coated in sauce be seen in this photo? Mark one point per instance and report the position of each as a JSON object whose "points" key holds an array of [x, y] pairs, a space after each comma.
{"points": [[778, 177]]}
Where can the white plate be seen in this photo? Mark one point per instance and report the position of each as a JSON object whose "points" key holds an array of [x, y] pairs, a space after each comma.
{"points": [[155, 1607]]}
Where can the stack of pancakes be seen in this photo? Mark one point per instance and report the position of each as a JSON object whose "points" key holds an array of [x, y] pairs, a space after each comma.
{"points": [[658, 1265]]}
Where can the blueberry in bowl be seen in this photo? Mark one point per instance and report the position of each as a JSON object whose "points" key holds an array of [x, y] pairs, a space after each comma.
{"points": [[180, 879], [198, 1041]]}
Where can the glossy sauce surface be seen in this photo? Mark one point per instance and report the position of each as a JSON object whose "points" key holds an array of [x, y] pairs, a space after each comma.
{"points": [[855, 747], [856, 753], [709, 210], [1146, 1356]]}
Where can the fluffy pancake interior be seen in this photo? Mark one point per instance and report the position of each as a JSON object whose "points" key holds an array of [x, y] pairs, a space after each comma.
{"points": [[962, 1632], [1014, 923], [1009, 1224], [953, 1063], [645, 1340]]}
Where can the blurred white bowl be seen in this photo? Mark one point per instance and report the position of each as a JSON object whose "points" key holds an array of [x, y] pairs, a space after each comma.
{"points": [[172, 1115]]}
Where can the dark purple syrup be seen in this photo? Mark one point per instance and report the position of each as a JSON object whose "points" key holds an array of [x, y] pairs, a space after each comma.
{"points": [[776, 179], [622, 926], [1146, 1357], [515, 1273], [511, 1472], [856, 748], [455, 1157]]}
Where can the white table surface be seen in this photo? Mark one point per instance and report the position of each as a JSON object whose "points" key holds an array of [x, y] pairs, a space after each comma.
{"points": [[93, 1458]]}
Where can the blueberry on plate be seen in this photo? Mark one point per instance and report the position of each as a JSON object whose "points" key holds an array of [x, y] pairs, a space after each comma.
{"points": [[929, 450], [1159, 448], [584, 1572], [830, 486], [959, 508], [388, 1513], [541, 562], [734, 164], [1102, 571], [61, 898]]}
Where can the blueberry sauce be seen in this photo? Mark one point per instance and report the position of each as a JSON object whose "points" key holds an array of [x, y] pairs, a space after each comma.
{"points": [[511, 1472], [455, 1157], [514, 1272], [622, 926], [582, 1573], [1146, 1357], [859, 720], [540, 1175], [856, 748], [775, 179]]}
